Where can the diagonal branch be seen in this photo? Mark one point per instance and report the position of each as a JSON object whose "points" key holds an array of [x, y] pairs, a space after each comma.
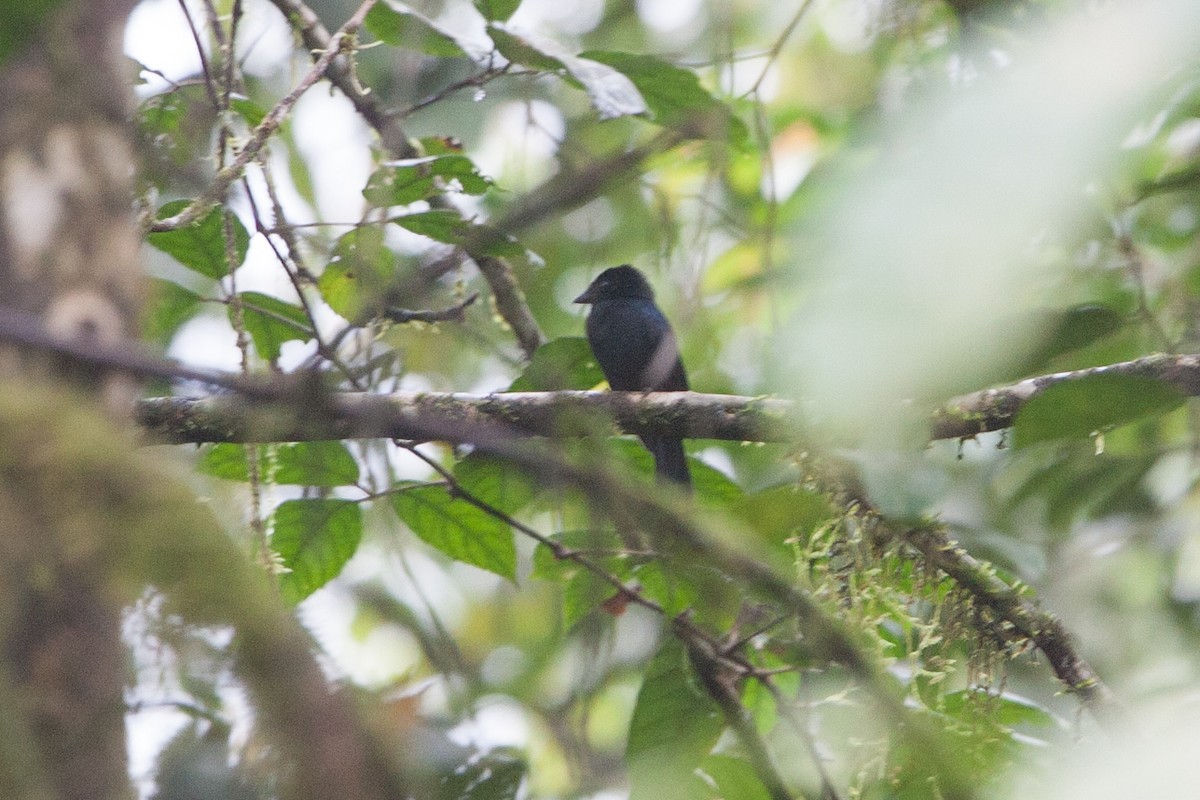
{"points": [[225, 177]]}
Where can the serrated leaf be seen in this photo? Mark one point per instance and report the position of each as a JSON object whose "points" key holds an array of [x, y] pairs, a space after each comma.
{"points": [[458, 529], [612, 93], [271, 322], [563, 363], [315, 464], [497, 10], [411, 31], [170, 306], [201, 245], [314, 538], [1078, 408], [675, 97], [675, 725]]}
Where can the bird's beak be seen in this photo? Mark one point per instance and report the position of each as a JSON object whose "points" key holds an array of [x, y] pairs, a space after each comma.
{"points": [[586, 297]]}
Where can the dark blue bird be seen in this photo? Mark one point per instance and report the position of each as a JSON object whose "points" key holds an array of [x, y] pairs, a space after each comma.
{"points": [[637, 351]]}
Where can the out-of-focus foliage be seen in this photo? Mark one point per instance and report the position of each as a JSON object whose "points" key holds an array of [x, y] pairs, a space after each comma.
{"points": [[435, 579]]}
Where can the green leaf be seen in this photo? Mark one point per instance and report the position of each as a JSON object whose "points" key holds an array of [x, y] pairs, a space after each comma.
{"points": [[783, 511], [402, 182], [248, 110], [411, 31], [495, 481], [20, 24], [271, 322], [735, 778], [496, 775], [519, 50], [201, 245], [675, 96], [315, 464], [675, 725], [1075, 329], [354, 281], [441, 225], [497, 10], [458, 529], [225, 460], [315, 539], [170, 306], [564, 363], [612, 94], [1078, 408], [1007, 709], [448, 227], [583, 590]]}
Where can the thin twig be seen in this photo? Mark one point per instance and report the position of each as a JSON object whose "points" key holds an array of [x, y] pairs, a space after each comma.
{"points": [[274, 118]]}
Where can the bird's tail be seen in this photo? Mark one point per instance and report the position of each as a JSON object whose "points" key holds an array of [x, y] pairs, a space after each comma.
{"points": [[669, 461]]}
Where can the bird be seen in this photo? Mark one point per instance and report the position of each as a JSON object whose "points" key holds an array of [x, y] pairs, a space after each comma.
{"points": [[636, 349]]}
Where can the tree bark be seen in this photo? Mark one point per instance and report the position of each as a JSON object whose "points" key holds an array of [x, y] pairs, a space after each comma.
{"points": [[69, 254]]}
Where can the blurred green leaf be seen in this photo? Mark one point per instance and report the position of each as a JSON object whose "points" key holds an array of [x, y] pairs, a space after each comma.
{"points": [[1078, 408], [563, 363], [735, 778], [497, 10], [457, 528], [1076, 328], [201, 245], [782, 511], [495, 481], [675, 725], [1006, 709], [169, 307], [496, 775], [411, 31], [314, 538], [354, 282], [271, 322], [248, 110]]}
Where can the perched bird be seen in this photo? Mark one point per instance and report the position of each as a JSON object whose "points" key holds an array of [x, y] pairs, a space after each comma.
{"points": [[637, 351]]}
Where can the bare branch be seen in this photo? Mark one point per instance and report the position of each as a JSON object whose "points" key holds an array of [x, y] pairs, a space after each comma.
{"points": [[404, 415], [995, 409]]}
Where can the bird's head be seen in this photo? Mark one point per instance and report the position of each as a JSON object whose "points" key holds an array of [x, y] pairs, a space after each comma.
{"points": [[622, 281]]}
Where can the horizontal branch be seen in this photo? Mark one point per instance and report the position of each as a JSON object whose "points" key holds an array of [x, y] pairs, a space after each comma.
{"points": [[407, 415], [692, 415], [996, 409]]}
